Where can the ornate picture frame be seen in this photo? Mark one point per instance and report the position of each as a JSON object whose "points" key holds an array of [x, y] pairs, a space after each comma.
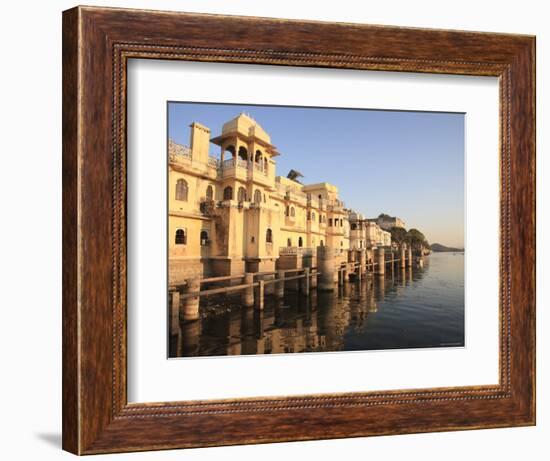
{"points": [[97, 44]]}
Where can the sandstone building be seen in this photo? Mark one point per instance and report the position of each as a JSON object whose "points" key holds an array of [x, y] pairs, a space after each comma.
{"points": [[387, 222], [232, 214]]}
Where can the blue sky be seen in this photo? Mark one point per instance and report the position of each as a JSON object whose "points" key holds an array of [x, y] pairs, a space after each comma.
{"points": [[409, 164]]}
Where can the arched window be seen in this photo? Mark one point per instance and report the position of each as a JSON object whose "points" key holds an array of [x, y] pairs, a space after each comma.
{"points": [[353, 226], [330, 222], [241, 196], [268, 236], [265, 165], [258, 158], [243, 153], [209, 193], [341, 243], [313, 215], [341, 222], [321, 219], [181, 190], [287, 210], [300, 241], [204, 237], [228, 193], [292, 212], [288, 242], [257, 196], [231, 150], [181, 237], [309, 215], [322, 243], [265, 199]]}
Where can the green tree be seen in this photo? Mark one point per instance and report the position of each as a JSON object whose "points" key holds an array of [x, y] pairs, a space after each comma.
{"points": [[398, 235], [416, 238]]}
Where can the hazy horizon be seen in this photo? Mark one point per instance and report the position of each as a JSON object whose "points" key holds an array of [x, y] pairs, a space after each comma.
{"points": [[405, 164]]}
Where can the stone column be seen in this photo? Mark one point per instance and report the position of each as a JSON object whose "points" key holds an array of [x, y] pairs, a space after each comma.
{"points": [[248, 293], [261, 292], [380, 259], [313, 281], [403, 262], [269, 287], [280, 286], [325, 262], [174, 312], [369, 260], [362, 262], [191, 305], [304, 288], [409, 257]]}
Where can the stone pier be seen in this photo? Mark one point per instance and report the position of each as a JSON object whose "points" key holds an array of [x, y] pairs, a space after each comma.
{"points": [[269, 287], [304, 283], [248, 293], [362, 262], [325, 262], [280, 285], [190, 309], [313, 281], [380, 269], [174, 312], [261, 295]]}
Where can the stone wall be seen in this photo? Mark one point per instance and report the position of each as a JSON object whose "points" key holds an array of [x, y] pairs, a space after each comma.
{"points": [[179, 270]]}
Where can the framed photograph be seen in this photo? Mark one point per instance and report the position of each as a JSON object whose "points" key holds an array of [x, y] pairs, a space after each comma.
{"points": [[281, 230]]}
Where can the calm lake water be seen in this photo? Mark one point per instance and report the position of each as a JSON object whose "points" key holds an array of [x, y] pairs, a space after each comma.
{"points": [[412, 308]]}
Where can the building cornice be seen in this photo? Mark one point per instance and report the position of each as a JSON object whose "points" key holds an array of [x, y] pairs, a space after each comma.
{"points": [[185, 214]]}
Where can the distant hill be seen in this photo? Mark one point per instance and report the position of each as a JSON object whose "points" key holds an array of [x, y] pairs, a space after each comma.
{"points": [[438, 248]]}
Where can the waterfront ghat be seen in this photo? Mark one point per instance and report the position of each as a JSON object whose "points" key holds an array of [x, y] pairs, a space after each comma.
{"points": [[249, 249], [414, 307]]}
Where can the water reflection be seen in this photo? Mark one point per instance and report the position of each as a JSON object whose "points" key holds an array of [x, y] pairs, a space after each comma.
{"points": [[421, 307]]}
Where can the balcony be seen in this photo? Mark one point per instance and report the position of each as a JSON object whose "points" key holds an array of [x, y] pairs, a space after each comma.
{"points": [[259, 174], [335, 206], [242, 169], [339, 231], [296, 197], [259, 168], [213, 162], [234, 167], [181, 159], [207, 207], [178, 150]]}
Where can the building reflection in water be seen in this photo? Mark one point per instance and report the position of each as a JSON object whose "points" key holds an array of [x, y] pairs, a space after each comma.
{"points": [[374, 313]]}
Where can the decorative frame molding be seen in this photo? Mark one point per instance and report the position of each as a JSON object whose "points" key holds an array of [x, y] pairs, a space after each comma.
{"points": [[97, 43]]}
